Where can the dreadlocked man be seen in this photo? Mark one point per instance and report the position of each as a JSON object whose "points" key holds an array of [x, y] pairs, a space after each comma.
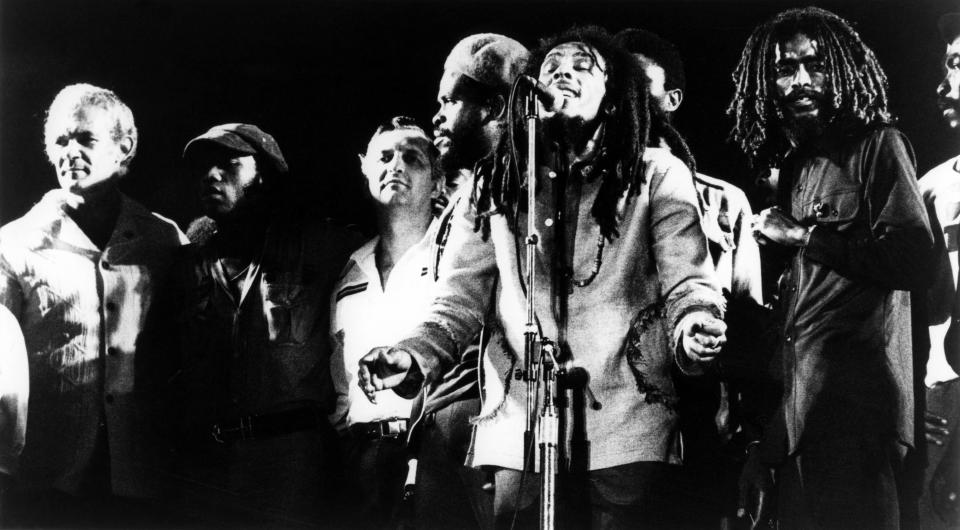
{"points": [[811, 99], [627, 292]]}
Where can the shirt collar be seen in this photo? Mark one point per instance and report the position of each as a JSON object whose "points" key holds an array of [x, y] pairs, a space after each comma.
{"points": [[51, 218]]}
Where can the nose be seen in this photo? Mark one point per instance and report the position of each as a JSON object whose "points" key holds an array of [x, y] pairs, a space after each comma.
{"points": [[562, 72], [73, 149], [394, 167], [214, 174], [802, 77], [437, 118], [949, 88]]}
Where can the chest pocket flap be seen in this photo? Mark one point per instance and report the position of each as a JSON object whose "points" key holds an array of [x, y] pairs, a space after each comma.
{"points": [[289, 312], [837, 207]]}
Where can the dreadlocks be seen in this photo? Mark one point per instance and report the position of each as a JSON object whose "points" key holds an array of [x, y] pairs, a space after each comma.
{"points": [[631, 122], [857, 83]]}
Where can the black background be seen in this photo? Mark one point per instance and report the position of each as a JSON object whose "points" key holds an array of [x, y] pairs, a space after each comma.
{"points": [[320, 76]]}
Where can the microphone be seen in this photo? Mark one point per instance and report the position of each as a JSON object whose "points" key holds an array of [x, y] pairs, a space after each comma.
{"points": [[551, 98]]}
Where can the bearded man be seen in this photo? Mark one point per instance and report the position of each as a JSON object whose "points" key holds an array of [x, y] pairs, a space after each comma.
{"points": [[811, 99]]}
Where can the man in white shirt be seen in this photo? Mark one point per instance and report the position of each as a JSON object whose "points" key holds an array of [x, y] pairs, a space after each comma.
{"points": [[941, 193], [79, 272], [381, 294]]}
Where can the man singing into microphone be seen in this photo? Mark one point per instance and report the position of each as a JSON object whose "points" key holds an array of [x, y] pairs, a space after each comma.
{"points": [[627, 291]]}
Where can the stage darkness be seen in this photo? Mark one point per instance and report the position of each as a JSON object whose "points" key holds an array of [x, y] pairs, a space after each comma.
{"points": [[320, 76]]}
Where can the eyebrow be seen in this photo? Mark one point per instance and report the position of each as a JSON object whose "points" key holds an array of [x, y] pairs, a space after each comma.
{"points": [[579, 51]]}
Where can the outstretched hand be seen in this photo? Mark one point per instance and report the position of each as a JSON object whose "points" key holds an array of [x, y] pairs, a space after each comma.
{"points": [[703, 336], [381, 369]]}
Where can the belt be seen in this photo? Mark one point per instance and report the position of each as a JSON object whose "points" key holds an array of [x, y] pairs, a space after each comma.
{"points": [[267, 425], [374, 430]]}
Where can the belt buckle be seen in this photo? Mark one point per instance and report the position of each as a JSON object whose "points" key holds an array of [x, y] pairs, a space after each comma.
{"points": [[390, 429], [217, 433], [245, 430]]}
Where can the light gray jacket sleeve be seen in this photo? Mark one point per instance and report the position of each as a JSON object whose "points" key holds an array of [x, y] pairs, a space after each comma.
{"points": [[14, 391], [687, 279], [463, 293]]}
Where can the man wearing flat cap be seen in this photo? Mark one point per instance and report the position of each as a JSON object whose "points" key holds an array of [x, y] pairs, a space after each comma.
{"points": [[472, 98], [254, 379], [941, 194], [80, 272]]}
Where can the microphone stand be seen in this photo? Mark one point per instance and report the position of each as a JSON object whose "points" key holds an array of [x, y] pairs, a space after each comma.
{"points": [[540, 366]]}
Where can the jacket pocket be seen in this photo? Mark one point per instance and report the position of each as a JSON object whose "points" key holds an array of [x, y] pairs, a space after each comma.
{"points": [[289, 313]]}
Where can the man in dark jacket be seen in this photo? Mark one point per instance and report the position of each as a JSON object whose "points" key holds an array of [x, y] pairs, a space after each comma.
{"points": [[811, 99], [255, 382]]}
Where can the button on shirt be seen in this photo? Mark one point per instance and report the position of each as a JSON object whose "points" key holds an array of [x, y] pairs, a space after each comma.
{"points": [[82, 312], [847, 350], [365, 315]]}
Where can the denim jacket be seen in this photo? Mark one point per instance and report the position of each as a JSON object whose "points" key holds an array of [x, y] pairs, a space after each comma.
{"points": [[619, 327]]}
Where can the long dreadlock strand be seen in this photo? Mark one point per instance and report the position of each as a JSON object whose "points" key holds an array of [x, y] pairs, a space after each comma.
{"points": [[857, 81]]}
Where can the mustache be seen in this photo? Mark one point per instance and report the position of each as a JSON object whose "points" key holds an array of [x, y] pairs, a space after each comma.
{"points": [[799, 94]]}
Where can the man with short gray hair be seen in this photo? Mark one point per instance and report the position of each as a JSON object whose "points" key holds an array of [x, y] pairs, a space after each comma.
{"points": [[79, 272]]}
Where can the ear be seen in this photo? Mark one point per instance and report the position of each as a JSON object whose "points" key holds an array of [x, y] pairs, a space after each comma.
{"points": [[126, 145], [497, 106], [672, 99]]}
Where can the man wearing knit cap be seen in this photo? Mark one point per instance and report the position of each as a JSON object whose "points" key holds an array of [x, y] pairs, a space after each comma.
{"points": [[474, 88], [254, 379], [472, 97]]}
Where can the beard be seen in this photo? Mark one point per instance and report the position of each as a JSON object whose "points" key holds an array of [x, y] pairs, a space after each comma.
{"points": [[467, 147], [802, 128]]}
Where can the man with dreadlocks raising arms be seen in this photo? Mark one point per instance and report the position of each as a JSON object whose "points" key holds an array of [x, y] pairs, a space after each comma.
{"points": [[628, 292], [811, 99]]}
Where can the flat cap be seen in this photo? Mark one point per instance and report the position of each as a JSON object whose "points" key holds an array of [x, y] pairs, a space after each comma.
{"points": [[489, 59], [242, 138], [949, 25]]}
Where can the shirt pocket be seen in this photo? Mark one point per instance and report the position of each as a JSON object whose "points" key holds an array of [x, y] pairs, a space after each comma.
{"points": [[290, 315], [836, 208]]}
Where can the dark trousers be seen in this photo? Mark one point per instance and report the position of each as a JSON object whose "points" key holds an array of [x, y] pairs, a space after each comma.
{"points": [[636, 496], [449, 494], [842, 482], [283, 481], [376, 469], [55, 509]]}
